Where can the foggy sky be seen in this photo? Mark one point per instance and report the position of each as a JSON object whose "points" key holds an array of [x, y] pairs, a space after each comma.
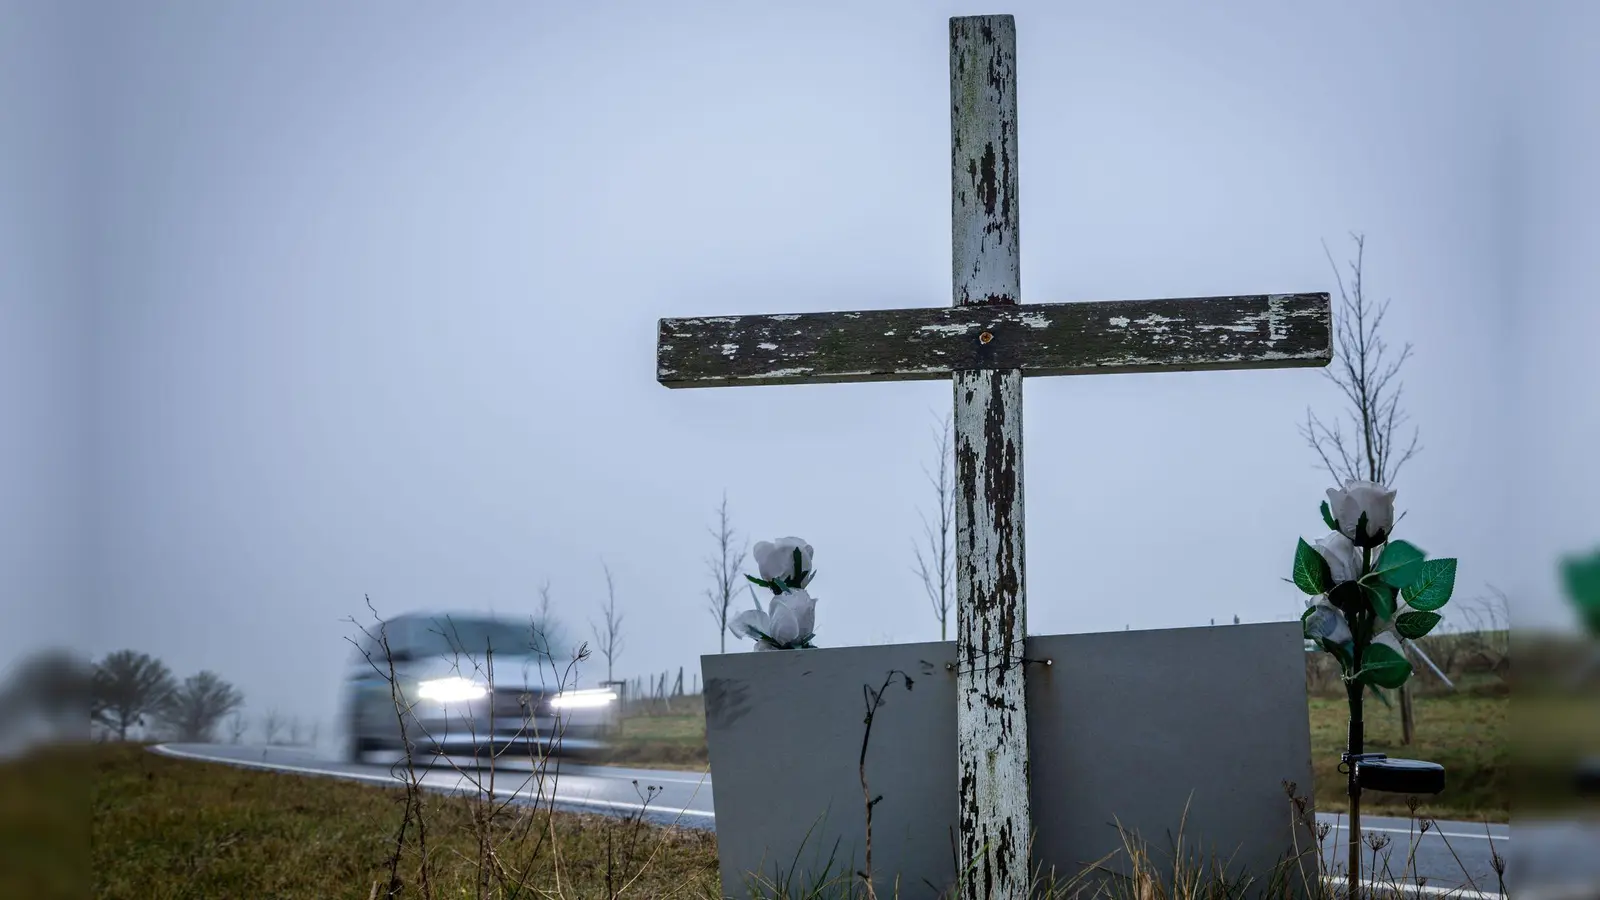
{"points": [[307, 302]]}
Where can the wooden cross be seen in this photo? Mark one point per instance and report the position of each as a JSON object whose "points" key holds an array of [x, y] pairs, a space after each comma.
{"points": [[985, 343]]}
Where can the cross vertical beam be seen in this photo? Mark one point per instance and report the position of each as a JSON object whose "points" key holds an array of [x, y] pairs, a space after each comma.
{"points": [[995, 828]]}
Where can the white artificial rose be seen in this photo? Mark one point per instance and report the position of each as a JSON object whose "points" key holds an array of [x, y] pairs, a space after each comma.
{"points": [[751, 623], [793, 615], [775, 560], [1358, 498], [1342, 556], [790, 619], [1327, 623], [802, 607]]}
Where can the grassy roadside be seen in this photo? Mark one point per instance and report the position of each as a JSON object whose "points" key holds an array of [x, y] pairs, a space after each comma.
{"points": [[1466, 732], [173, 828], [668, 740], [169, 828], [43, 804]]}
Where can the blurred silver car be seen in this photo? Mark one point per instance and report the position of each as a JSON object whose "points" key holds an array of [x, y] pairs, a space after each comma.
{"points": [[472, 685]]}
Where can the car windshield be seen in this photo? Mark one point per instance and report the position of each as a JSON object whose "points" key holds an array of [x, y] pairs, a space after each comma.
{"points": [[472, 637]]}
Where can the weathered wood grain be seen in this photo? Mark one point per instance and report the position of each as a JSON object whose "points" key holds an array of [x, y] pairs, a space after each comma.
{"points": [[994, 818], [994, 825], [1261, 331]]}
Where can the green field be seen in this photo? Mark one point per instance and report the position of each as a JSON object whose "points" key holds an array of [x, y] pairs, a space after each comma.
{"points": [[1466, 732], [666, 740], [166, 828]]}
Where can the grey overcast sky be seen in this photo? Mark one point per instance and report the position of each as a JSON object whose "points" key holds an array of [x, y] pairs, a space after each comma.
{"points": [[307, 301]]}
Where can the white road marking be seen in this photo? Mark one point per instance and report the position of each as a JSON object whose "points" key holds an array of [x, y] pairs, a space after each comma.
{"points": [[1409, 889], [392, 781], [652, 778], [1344, 826], [619, 773]]}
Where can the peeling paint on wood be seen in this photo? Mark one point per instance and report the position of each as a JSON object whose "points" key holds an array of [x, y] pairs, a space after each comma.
{"points": [[986, 261], [991, 622], [1039, 339], [994, 824]]}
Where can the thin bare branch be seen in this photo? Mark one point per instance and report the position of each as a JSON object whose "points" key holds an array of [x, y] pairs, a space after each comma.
{"points": [[1367, 375], [609, 637], [724, 569], [935, 563]]}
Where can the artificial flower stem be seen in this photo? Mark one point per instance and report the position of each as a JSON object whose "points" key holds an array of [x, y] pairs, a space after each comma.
{"points": [[1356, 746]]}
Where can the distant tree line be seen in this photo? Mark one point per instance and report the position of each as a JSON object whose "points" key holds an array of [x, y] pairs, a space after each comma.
{"points": [[129, 689]]}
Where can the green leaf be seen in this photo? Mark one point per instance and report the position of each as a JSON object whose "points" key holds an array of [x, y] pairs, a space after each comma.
{"points": [[1412, 625], [1399, 565], [760, 583], [1338, 652], [1581, 578], [1311, 573], [1346, 595], [1382, 697], [1383, 667], [1327, 517], [1433, 586], [1381, 598]]}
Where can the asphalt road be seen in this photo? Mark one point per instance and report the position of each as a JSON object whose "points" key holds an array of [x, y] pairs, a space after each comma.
{"points": [[684, 798]]}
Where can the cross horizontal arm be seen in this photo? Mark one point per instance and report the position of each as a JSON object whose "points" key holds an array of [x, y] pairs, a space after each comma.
{"points": [[1262, 331]]}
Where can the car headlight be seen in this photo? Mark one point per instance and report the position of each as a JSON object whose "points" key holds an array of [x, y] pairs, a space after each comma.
{"points": [[583, 699], [451, 690]]}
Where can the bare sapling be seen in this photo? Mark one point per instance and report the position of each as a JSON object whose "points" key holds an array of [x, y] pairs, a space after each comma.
{"points": [[936, 560], [873, 699], [608, 637], [501, 820], [723, 566], [412, 807]]}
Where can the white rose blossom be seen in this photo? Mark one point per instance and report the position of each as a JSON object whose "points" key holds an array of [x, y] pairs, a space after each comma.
{"points": [[775, 561], [1359, 622], [1356, 498], [1327, 623], [1342, 556], [789, 622]]}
